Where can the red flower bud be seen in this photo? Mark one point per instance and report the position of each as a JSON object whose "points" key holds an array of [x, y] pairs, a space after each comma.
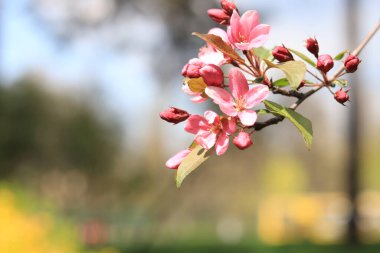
{"points": [[325, 63], [220, 16], [174, 115], [351, 63], [341, 96], [312, 46], [228, 6], [242, 140], [212, 75], [282, 54], [192, 68]]}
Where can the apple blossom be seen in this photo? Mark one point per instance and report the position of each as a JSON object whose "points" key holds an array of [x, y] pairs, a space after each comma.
{"points": [[242, 140], [211, 130], [246, 32], [242, 99]]}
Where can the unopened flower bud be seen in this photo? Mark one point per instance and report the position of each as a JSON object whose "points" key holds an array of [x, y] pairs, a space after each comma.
{"points": [[192, 68], [228, 6], [312, 46], [220, 16], [212, 75], [351, 63], [282, 54], [242, 140], [174, 115], [341, 96], [325, 63], [176, 160]]}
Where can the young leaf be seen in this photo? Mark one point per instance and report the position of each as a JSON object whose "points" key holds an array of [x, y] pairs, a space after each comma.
{"points": [[303, 124], [281, 82], [196, 84], [294, 70], [262, 112], [340, 56], [341, 82], [263, 53], [219, 44], [303, 57], [192, 161]]}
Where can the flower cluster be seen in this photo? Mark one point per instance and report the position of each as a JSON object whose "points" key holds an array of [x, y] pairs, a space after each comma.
{"points": [[239, 50]]}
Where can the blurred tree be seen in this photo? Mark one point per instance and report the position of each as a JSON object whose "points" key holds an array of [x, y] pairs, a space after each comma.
{"points": [[41, 131]]}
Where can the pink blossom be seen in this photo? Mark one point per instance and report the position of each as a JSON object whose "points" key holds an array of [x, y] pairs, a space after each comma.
{"points": [[196, 96], [242, 140], [246, 32], [176, 160], [209, 55], [242, 99], [211, 130], [174, 115]]}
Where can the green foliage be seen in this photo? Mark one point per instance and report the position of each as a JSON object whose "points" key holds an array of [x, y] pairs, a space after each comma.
{"points": [[197, 156], [303, 125], [281, 82], [263, 53], [294, 71], [340, 56], [303, 57]]}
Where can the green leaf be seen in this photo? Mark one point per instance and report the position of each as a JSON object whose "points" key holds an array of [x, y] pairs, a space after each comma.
{"points": [[263, 53], [303, 124], [281, 82], [294, 70], [341, 82], [259, 80], [303, 57], [262, 111], [192, 161], [340, 56], [219, 44]]}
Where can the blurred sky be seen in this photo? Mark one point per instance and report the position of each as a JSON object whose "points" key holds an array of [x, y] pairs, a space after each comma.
{"points": [[128, 81]]}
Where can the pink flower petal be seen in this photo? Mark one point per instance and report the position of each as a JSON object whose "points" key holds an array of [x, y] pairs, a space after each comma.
{"points": [[198, 99], [206, 140], [256, 95], [221, 33], [259, 35], [250, 19], [222, 143], [196, 124], [211, 116], [238, 83], [234, 30], [242, 140], [176, 160], [229, 125], [248, 117], [222, 98]]}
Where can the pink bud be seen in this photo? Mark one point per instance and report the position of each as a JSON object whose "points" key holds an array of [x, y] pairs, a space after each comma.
{"points": [[174, 115], [351, 63], [228, 6], [212, 75], [242, 140], [325, 63], [341, 96], [192, 68], [312, 46], [176, 160], [282, 54], [220, 16]]}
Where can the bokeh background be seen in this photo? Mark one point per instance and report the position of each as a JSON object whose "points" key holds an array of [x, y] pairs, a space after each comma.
{"points": [[82, 149]]}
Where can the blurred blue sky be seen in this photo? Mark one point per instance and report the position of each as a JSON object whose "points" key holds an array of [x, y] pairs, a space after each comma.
{"points": [[128, 80]]}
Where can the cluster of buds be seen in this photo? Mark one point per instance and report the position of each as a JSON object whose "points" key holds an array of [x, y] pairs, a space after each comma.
{"points": [[223, 15], [248, 84]]}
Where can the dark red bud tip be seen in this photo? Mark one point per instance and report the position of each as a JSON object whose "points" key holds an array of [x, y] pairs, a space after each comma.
{"points": [[228, 6], [220, 16], [341, 96], [282, 54], [351, 63], [312, 46], [325, 63], [174, 115]]}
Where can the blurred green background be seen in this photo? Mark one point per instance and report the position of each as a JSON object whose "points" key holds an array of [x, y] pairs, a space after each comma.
{"points": [[82, 149]]}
